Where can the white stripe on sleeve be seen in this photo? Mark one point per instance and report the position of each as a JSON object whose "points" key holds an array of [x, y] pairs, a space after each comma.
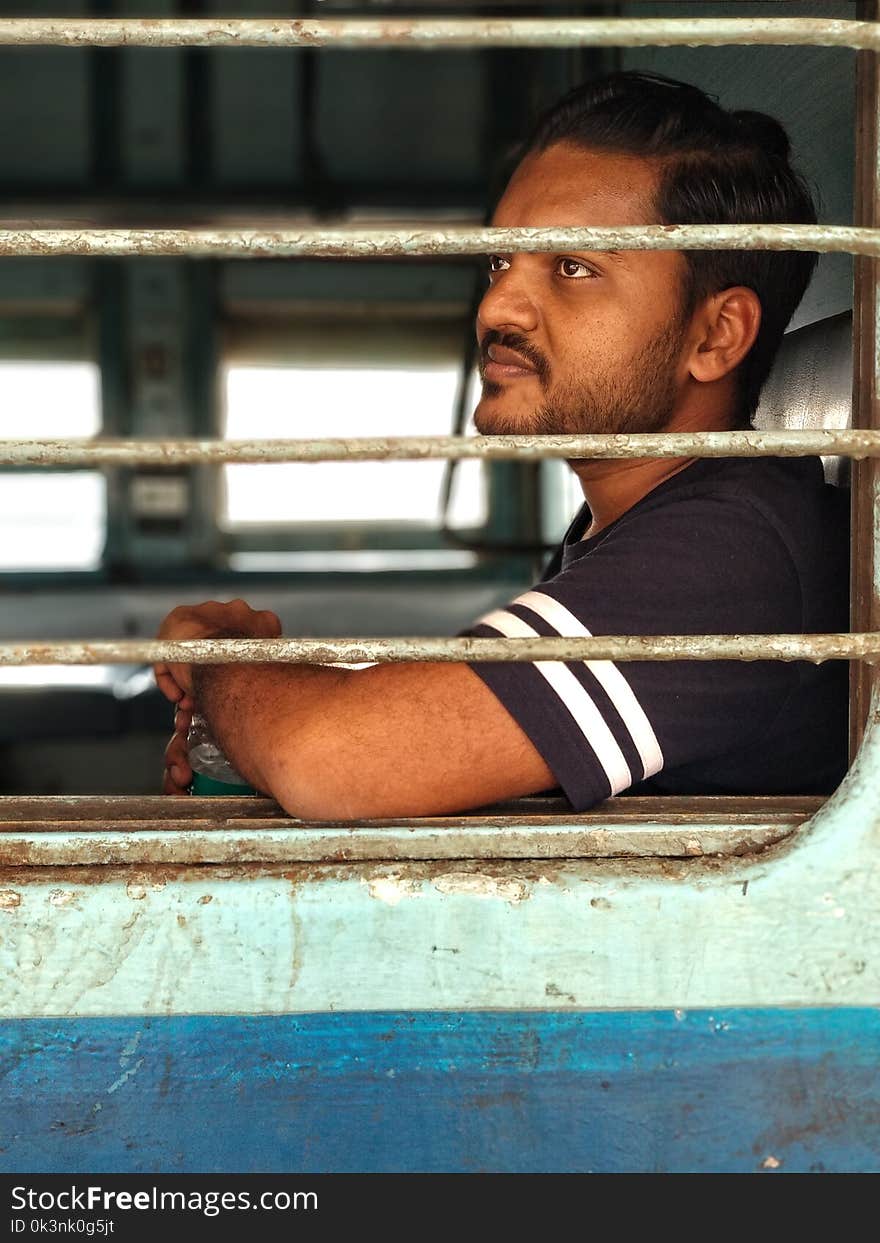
{"points": [[606, 674], [576, 699]]}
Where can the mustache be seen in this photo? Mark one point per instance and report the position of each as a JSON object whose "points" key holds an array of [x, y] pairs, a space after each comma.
{"points": [[520, 345]]}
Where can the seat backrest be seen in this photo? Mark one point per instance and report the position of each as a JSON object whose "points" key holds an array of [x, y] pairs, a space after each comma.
{"points": [[810, 385]]}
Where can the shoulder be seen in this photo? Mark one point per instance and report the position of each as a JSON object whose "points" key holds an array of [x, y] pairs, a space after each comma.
{"points": [[718, 553], [724, 504]]}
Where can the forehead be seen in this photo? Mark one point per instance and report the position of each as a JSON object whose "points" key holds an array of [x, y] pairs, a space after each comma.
{"points": [[568, 185]]}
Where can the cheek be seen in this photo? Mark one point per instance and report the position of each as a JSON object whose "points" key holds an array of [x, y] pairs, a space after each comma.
{"points": [[587, 348]]}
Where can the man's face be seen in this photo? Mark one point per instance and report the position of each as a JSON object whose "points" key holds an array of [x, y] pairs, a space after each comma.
{"points": [[580, 342]]}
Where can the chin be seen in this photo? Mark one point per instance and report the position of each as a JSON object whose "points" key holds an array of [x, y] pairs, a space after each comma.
{"points": [[492, 418]]}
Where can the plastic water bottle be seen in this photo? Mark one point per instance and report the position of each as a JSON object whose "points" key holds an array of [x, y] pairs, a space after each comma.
{"points": [[212, 772]]}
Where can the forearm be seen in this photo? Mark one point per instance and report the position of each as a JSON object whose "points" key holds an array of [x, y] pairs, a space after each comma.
{"points": [[261, 715]]}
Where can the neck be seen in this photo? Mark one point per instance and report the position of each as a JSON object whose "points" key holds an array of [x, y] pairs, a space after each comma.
{"points": [[610, 488]]}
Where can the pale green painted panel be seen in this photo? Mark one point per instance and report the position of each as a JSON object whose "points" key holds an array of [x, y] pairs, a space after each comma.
{"points": [[793, 926]]}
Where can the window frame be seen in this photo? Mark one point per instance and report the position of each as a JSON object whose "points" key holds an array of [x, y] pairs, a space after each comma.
{"points": [[866, 477]]}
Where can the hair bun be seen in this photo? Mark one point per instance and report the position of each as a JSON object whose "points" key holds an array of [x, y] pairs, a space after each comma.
{"points": [[762, 131]]}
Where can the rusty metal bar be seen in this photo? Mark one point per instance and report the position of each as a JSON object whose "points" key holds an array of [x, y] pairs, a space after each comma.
{"points": [[87, 811], [865, 491], [108, 830], [813, 647], [854, 443], [427, 33], [266, 843], [89, 830], [421, 243]]}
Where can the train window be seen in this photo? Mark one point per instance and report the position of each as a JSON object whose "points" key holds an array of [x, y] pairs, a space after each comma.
{"points": [[396, 375], [348, 388], [55, 520], [323, 347]]}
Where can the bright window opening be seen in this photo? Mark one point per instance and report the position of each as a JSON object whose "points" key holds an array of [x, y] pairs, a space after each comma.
{"points": [[336, 391], [561, 498], [51, 520]]}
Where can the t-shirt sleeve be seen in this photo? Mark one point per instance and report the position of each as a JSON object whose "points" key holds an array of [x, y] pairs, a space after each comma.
{"points": [[712, 565]]}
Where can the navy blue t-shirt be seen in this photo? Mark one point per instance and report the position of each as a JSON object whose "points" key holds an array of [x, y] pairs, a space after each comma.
{"points": [[726, 546]]}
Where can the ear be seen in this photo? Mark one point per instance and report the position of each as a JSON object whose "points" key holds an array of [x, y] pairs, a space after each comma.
{"points": [[725, 327]]}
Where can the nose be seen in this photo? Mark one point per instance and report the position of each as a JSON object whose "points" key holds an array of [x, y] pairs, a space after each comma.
{"points": [[508, 304]]}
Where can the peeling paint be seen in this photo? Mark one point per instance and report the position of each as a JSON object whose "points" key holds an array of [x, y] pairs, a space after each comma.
{"points": [[553, 990], [479, 886], [138, 889], [130, 1048], [125, 1076], [63, 897], [393, 889], [9, 899]]}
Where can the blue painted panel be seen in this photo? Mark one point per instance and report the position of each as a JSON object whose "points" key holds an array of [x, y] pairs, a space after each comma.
{"points": [[624, 1091]]}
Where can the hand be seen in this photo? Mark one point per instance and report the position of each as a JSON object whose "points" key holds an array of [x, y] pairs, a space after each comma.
{"points": [[211, 620], [178, 773]]}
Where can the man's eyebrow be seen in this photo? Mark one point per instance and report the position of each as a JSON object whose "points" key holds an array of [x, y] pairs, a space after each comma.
{"points": [[617, 256]]}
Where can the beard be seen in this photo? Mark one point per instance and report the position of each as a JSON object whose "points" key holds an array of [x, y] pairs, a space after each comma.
{"points": [[638, 397]]}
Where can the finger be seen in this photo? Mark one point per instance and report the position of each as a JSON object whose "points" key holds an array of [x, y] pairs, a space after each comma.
{"points": [[176, 754], [167, 685], [178, 774], [181, 676], [181, 775], [270, 624], [182, 616], [182, 720], [169, 787], [178, 770]]}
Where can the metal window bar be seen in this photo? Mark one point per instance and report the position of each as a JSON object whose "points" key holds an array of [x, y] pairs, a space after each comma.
{"points": [[436, 33], [862, 444], [429, 243], [864, 547], [815, 647], [856, 443]]}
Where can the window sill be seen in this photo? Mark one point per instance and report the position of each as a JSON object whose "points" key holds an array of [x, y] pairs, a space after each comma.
{"points": [[90, 830]]}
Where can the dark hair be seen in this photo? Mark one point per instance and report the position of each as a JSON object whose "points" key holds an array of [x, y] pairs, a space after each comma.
{"points": [[717, 167]]}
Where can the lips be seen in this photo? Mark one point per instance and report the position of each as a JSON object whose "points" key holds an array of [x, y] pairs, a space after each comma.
{"points": [[503, 365], [508, 359]]}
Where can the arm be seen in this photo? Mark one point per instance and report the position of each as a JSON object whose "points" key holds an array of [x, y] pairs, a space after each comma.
{"points": [[334, 743]]}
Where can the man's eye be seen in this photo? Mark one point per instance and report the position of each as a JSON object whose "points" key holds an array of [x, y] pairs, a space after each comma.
{"points": [[574, 268], [497, 263]]}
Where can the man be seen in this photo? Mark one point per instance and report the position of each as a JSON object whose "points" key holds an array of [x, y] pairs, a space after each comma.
{"points": [[597, 342]]}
